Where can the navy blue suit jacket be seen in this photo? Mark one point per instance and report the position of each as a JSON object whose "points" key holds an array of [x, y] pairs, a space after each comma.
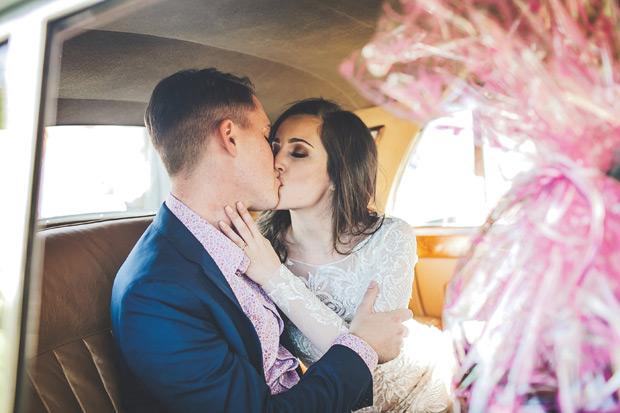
{"points": [[183, 343]]}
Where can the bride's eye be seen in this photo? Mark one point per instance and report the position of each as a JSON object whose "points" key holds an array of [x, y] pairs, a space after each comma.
{"points": [[298, 151], [275, 146]]}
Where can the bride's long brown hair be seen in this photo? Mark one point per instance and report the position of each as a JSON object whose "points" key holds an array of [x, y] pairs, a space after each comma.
{"points": [[352, 169]]}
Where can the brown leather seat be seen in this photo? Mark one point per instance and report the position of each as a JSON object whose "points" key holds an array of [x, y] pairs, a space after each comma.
{"points": [[73, 370], [437, 259]]}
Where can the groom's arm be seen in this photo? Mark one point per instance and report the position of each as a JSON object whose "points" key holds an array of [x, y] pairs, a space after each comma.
{"points": [[367, 396], [173, 344]]}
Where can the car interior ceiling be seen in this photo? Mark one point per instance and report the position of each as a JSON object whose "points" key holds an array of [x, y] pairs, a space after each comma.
{"points": [[290, 50]]}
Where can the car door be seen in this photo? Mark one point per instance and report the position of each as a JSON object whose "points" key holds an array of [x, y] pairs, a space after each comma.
{"points": [[29, 39]]}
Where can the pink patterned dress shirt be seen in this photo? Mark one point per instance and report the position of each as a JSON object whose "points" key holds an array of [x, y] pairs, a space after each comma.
{"points": [[278, 363]]}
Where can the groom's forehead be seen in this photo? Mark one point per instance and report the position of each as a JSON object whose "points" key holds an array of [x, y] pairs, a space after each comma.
{"points": [[259, 118]]}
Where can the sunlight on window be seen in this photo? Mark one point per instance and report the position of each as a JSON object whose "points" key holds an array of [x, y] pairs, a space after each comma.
{"points": [[449, 181], [98, 169], [439, 185], [501, 167]]}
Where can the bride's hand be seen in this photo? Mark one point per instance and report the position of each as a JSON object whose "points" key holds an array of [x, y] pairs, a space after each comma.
{"points": [[264, 261]]}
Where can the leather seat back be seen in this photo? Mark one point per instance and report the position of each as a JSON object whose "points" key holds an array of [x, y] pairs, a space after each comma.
{"points": [[73, 370], [438, 256]]}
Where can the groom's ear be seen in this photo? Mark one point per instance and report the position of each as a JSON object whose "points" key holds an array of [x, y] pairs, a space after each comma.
{"points": [[226, 135]]}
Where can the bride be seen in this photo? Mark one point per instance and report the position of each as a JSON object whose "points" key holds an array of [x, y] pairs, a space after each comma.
{"points": [[322, 246]]}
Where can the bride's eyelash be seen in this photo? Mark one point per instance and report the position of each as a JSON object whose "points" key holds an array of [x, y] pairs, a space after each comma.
{"points": [[298, 155]]}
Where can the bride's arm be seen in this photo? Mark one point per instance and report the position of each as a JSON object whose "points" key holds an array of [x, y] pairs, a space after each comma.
{"points": [[313, 318]]}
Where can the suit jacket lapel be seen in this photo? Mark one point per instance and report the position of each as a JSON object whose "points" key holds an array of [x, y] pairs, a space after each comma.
{"points": [[190, 248], [185, 242]]}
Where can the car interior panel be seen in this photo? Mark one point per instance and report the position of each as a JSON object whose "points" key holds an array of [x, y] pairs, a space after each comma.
{"points": [[486, 182], [104, 74]]}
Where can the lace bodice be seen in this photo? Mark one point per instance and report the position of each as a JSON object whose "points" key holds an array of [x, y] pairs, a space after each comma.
{"points": [[321, 301], [388, 257]]}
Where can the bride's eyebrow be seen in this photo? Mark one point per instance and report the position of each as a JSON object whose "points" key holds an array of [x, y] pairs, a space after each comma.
{"points": [[293, 140]]}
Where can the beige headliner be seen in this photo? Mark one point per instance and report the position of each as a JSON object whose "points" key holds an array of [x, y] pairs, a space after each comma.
{"points": [[290, 50]]}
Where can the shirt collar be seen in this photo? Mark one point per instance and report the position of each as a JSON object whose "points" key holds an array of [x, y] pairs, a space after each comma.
{"points": [[228, 257]]}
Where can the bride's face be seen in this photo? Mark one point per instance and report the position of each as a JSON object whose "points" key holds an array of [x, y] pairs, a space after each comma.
{"points": [[301, 159]]}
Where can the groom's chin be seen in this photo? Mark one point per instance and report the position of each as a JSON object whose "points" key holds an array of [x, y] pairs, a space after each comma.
{"points": [[265, 205]]}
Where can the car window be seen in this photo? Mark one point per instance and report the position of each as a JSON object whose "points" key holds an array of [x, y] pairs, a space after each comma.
{"points": [[100, 170], [451, 178]]}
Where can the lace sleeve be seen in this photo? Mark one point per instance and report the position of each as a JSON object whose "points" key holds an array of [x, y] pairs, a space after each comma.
{"points": [[313, 318], [393, 261]]}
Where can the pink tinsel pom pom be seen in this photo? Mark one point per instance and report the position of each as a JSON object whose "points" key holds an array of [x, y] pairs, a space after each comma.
{"points": [[534, 308]]}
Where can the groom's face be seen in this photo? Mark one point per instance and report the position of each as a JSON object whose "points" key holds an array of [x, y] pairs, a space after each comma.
{"points": [[261, 179]]}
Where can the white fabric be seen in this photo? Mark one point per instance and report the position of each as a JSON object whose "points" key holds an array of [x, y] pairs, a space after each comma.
{"points": [[321, 301]]}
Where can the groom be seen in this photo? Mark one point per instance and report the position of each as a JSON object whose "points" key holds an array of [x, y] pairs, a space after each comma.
{"points": [[191, 333]]}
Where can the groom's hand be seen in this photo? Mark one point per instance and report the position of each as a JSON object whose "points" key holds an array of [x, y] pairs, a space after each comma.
{"points": [[383, 331]]}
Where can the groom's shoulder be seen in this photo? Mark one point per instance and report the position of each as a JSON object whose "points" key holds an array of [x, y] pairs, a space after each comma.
{"points": [[153, 257]]}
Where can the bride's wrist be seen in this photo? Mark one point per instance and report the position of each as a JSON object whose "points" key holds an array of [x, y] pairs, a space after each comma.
{"points": [[273, 279]]}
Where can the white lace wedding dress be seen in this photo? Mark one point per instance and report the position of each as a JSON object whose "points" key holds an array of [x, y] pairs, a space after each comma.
{"points": [[418, 380]]}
